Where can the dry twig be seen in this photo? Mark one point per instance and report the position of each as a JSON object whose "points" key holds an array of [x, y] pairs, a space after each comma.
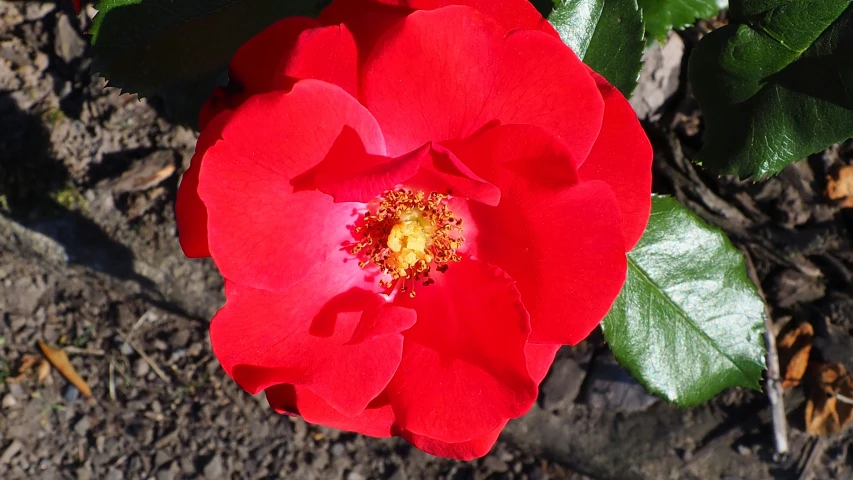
{"points": [[150, 362], [817, 450], [773, 383]]}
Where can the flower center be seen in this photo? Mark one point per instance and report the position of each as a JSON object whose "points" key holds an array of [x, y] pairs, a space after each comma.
{"points": [[409, 235]]}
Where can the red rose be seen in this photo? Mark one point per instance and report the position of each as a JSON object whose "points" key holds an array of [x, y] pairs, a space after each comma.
{"points": [[414, 204]]}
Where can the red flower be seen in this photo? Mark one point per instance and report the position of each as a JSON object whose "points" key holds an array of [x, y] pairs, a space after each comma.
{"points": [[414, 204]]}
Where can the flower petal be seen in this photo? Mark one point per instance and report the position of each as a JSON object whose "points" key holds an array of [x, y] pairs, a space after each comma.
{"points": [[540, 356], [349, 174], [263, 231], [288, 50], [301, 337], [190, 212], [561, 241], [444, 74], [468, 450], [463, 371], [622, 158], [381, 318], [377, 420], [510, 14]]}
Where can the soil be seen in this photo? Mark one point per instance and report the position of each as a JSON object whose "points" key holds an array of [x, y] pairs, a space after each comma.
{"points": [[89, 260]]}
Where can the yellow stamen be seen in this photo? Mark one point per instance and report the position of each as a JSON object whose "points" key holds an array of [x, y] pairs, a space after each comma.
{"points": [[410, 234]]}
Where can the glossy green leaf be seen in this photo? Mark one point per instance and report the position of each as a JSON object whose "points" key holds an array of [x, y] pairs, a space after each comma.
{"points": [[147, 46], [606, 34], [688, 322], [661, 16], [776, 85]]}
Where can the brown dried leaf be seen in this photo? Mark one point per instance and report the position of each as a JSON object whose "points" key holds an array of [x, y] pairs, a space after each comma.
{"points": [[840, 186], [58, 358], [794, 349], [27, 362], [844, 396], [830, 405], [148, 173], [43, 370]]}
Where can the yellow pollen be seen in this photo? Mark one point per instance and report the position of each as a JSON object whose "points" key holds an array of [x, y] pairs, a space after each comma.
{"points": [[410, 234]]}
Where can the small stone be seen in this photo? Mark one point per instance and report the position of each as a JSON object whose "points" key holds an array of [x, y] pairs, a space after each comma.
{"points": [[355, 476], [69, 44], [37, 11], [160, 458], [195, 349], [609, 386], [181, 337], [214, 468], [141, 368], [126, 349], [659, 78], [495, 464], [338, 450], [9, 401], [187, 465], [84, 473], [169, 472], [744, 450], [82, 426], [10, 452], [178, 354], [562, 384], [16, 390], [71, 394], [115, 474]]}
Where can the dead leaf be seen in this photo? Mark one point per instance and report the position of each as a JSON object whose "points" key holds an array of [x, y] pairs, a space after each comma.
{"points": [[794, 349], [830, 406], [27, 362], [58, 358], [43, 370], [147, 173], [840, 186], [844, 396]]}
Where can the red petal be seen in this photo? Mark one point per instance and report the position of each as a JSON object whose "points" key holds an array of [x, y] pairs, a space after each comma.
{"points": [[296, 48], [381, 318], [288, 50], [190, 212], [77, 5], [622, 157], [540, 356], [302, 337], [349, 174], [469, 450], [444, 74], [510, 14], [263, 232], [463, 371], [561, 241], [377, 420]]}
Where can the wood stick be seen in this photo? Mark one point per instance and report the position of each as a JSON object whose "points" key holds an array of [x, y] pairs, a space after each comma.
{"points": [[773, 384]]}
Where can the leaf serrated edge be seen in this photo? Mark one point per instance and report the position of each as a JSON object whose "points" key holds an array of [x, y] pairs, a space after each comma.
{"points": [[742, 274]]}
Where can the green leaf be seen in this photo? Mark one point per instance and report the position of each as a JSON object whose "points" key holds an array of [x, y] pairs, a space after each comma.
{"points": [[606, 34], [776, 85], [688, 322], [661, 16], [147, 46]]}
